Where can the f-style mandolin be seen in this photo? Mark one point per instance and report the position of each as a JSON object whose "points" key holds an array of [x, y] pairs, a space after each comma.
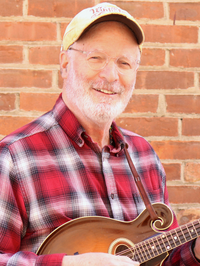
{"points": [[133, 239]]}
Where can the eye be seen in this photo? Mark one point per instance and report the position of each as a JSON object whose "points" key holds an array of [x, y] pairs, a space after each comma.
{"points": [[96, 58], [124, 63]]}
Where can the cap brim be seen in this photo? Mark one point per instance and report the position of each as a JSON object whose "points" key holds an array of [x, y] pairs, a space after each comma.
{"points": [[133, 25]]}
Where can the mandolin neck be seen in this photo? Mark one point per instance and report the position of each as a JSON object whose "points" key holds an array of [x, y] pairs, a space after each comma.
{"points": [[162, 243]]}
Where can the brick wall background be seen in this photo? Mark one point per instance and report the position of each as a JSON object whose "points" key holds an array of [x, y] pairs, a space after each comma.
{"points": [[165, 107]]}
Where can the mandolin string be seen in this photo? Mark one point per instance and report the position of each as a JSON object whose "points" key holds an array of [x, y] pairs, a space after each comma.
{"points": [[178, 231], [140, 245], [145, 246], [138, 256], [131, 251]]}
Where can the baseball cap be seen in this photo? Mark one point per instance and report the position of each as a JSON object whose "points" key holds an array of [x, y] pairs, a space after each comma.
{"points": [[99, 13]]}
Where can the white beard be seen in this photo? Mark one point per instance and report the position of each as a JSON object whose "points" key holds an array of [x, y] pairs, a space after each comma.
{"points": [[79, 92]]}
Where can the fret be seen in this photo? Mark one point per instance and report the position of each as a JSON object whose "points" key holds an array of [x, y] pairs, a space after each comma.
{"points": [[137, 256], [165, 242], [176, 238], [180, 235], [186, 233], [171, 240], [147, 254], [197, 227], [141, 251], [152, 247], [162, 243], [144, 252], [193, 231], [158, 244]]}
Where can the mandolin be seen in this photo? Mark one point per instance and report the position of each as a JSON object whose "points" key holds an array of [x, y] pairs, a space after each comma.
{"points": [[133, 238]]}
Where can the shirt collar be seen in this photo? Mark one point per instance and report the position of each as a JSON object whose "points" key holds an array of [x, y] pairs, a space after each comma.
{"points": [[67, 120], [118, 140]]}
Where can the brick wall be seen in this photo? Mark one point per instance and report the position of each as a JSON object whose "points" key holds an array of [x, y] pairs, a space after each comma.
{"points": [[165, 107]]}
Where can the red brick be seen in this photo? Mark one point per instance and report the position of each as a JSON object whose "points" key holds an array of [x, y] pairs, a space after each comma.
{"points": [[8, 123], [185, 57], [153, 57], [11, 54], [37, 101], [11, 8], [142, 103], [25, 78], [60, 80], [57, 8], [191, 126], [185, 11], [151, 10], [63, 27], [166, 80], [189, 215], [191, 173], [183, 103], [177, 150], [184, 194], [173, 171], [28, 31], [170, 34], [44, 55], [7, 101], [150, 126]]}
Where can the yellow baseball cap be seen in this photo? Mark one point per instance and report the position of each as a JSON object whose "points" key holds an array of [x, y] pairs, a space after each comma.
{"points": [[99, 13]]}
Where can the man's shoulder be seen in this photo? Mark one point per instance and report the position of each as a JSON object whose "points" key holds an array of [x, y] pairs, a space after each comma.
{"points": [[132, 135], [37, 126], [129, 133], [135, 140]]}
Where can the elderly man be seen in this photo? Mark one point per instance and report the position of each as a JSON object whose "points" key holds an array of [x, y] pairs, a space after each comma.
{"points": [[70, 162]]}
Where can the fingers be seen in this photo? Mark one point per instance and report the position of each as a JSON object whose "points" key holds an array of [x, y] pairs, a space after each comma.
{"points": [[98, 259], [127, 261]]}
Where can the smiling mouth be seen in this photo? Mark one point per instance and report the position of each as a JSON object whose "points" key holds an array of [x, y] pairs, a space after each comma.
{"points": [[105, 91]]}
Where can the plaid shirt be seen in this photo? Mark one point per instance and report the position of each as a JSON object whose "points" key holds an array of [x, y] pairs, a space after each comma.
{"points": [[51, 172]]}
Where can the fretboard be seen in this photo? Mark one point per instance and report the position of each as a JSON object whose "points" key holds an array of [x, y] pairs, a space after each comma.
{"points": [[157, 245]]}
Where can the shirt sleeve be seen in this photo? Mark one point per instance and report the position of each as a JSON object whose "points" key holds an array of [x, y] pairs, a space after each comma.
{"points": [[14, 222], [24, 258], [182, 256]]}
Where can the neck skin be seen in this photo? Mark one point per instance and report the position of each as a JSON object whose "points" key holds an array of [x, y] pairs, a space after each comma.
{"points": [[100, 135], [99, 132]]}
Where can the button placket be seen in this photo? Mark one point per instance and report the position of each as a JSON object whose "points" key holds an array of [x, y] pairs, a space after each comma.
{"points": [[111, 187]]}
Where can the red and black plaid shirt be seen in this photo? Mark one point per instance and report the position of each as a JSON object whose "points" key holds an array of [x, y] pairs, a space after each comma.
{"points": [[51, 172]]}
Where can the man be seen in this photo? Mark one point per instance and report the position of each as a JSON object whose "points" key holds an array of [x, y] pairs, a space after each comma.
{"points": [[70, 162]]}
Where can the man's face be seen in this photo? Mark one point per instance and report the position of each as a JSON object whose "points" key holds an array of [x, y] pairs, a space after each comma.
{"points": [[99, 96]]}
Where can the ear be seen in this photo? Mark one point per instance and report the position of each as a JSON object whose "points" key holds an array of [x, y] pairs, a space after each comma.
{"points": [[64, 64]]}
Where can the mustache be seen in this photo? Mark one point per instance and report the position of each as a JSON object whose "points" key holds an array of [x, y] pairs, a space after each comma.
{"points": [[109, 86]]}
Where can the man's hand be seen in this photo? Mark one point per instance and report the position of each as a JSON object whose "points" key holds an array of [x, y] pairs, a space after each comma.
{"points": [[197, 248], [98, 259]]}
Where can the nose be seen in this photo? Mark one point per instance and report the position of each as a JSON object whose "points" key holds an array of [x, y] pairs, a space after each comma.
{"points": [[110, 72]]}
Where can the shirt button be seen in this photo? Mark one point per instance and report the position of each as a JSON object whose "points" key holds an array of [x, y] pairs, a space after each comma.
{"points": [[112, 195], [107, 155]]}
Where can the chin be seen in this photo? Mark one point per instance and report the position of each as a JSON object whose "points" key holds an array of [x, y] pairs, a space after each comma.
{"points": [[104, 113]]}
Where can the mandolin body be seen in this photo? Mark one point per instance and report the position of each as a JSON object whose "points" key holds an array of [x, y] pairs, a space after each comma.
{"points": [[101, 234]]}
